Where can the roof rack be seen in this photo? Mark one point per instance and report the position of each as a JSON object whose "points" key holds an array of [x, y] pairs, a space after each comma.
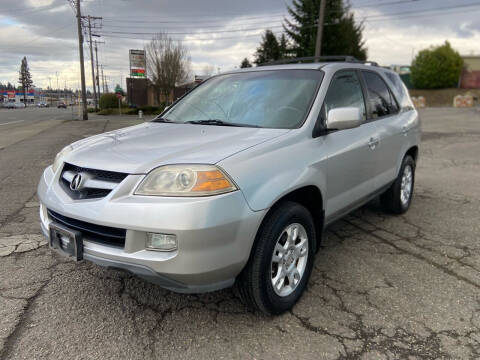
{"points": [[300, 60]]}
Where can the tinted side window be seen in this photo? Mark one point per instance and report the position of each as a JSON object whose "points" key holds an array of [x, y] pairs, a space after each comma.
{"points": [[380, 98], [345, 91], [401, 91]]}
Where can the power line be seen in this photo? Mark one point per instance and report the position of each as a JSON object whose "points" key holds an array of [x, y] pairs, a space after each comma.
{"points": [[442, 8], [376, 4], [44, 35], [369, 18], [182, 20], [189, 33], [190, 40], [199, 26], [28, 11], [412, 16]]}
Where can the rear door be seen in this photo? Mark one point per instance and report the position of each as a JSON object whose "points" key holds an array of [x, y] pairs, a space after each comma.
{"points": [[384, 111], [352, 152]]}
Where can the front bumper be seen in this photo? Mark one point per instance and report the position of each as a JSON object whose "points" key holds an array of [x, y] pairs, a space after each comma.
{"points": [[214, 234]]}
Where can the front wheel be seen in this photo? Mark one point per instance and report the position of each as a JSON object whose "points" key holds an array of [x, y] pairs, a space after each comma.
{"points": [[398, 197], [281, 260]]}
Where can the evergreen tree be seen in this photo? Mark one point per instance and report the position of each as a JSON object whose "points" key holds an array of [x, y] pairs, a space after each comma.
{"points": [[285, 50], [25, 79], [341, 36], [245, 64], [269, 49]]}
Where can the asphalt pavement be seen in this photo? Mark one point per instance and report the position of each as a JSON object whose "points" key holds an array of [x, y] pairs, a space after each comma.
{"points": [[383, 287]]}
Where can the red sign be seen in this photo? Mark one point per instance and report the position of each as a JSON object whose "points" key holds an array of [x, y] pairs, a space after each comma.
{"points": [[119, 96], [138, 72], [11, 94]]}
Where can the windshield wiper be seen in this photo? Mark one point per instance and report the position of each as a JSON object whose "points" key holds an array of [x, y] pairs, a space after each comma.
{"points": [[162, 120], [219, 123]]}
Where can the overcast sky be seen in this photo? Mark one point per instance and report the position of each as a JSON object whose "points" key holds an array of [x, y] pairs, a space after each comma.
{"points": [[218, 33]]}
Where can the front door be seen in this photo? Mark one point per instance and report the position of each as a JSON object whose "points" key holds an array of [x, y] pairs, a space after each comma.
{"points": [[352, 152]]}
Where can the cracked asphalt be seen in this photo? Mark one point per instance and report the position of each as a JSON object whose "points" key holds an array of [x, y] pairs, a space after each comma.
{"points": [[383, 287]]}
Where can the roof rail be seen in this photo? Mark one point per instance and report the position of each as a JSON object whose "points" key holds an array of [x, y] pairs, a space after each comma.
{"points": [[373, 63], [295, 60]]}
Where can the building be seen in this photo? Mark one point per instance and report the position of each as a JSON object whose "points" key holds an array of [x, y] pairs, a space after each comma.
{"points": [[141, 92], [17, 96], [470, 78]]}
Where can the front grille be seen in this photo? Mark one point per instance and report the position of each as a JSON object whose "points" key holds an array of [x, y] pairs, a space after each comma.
{"points": [[98, 174], [90, 192], [96, 233]]}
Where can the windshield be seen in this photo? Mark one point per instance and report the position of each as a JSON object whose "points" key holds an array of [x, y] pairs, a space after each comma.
{"points": [[271, 99]]}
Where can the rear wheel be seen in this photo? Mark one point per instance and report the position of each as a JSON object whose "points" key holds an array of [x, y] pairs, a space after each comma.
{"points": [[281, 260], [398, 197]]}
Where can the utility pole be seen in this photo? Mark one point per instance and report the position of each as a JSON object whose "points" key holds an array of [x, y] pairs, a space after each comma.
{"points": [[97, 75], [321, 16], [91, 62], [103, 81], [56, 91], [82, 68]]}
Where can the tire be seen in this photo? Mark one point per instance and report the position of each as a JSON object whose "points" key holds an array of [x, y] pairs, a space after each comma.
{"points": [[255, 284], [393, 200]]}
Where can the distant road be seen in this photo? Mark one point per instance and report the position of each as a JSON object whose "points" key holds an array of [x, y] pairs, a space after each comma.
{"points": [[33, 114]]}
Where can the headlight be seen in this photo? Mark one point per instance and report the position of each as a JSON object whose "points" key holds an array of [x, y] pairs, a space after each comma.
{"points": [[59, 158], [185, 180]]}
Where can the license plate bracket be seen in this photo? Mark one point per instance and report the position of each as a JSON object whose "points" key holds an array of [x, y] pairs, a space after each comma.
{"points": [[66, 241]]}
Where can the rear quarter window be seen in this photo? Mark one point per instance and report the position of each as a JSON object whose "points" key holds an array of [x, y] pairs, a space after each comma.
{"points": [[400, 91]]}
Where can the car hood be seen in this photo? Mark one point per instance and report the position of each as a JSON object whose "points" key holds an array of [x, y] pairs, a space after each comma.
{"points": [[140, 148]]}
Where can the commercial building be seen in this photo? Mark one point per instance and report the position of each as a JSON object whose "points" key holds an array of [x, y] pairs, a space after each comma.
{"points": [[17, 96], [470, 78]]}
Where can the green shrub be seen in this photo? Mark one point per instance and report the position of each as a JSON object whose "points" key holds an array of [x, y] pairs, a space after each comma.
{"points": [[108, 101], [149, 110], [436, 68], [108, 112], [91, 110]]}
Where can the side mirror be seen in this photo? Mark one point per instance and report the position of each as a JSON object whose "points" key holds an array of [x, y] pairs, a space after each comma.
{"points": [[344, 118]]}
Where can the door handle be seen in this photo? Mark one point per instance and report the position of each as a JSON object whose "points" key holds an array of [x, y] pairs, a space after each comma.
{"points": [[372, 144], [405, 130]]}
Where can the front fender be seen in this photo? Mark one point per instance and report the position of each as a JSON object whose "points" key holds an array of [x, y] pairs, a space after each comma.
{"points": [[270, 171]]}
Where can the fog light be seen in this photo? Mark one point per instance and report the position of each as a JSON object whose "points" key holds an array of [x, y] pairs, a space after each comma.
{"points": [[161, 242]]}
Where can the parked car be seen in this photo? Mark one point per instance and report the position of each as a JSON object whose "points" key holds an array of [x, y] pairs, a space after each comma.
{"points": [[61, 105], [14, 105], [42, 105], [236, 181]]}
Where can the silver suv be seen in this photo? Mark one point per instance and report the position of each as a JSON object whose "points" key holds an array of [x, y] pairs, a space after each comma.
{"points": [[236, 181]]}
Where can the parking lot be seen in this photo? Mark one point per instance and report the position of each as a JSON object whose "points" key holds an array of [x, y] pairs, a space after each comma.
{"points": [[383, 286]]}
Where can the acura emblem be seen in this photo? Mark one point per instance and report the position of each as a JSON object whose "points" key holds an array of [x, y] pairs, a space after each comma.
{"points": [[76, 182]]}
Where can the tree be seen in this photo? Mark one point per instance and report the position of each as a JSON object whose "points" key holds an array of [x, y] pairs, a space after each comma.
{"points": [[108, 101], [25, 78], [168, 63], [269, 49], [436, 67], [341, 35], [283, 46], [245, 64]]}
